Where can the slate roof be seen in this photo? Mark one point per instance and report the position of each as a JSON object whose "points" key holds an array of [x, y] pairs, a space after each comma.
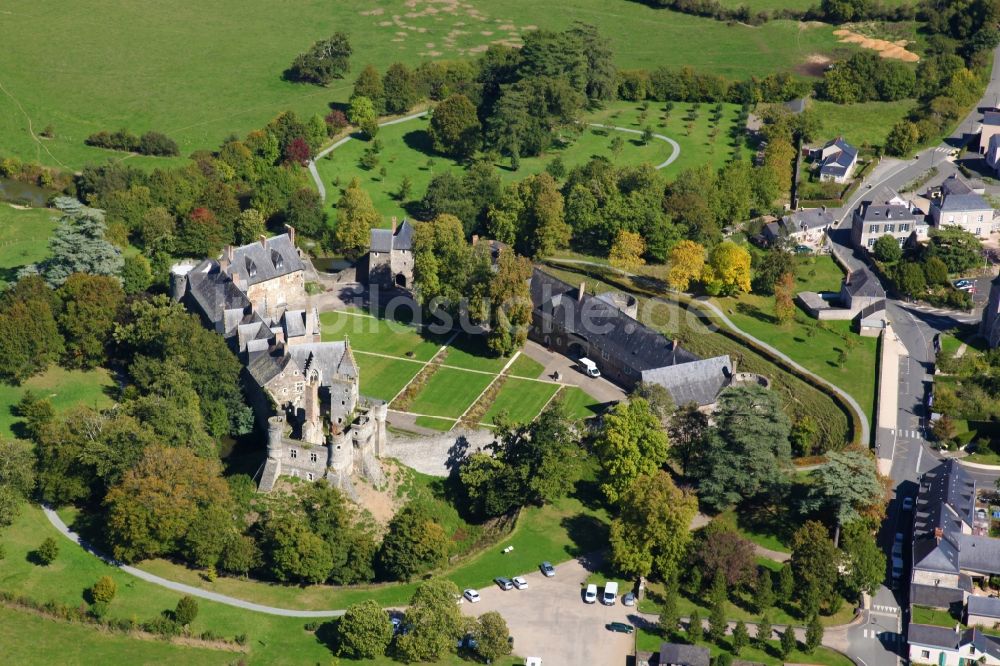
{"points": [[873, 212], [935, 596], [837, 163], [603, 325], [984, 606], [933, 636], [987, 644], [688, 655], [266, 260], [991, 118], [331, 358], [264, 366], [214, 291], [697, 381], [863, 283], [796, 105], [385, 240], [810, 219], [957, 196]]}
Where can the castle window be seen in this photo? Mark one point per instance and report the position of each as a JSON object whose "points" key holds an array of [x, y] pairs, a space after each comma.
{"points": [[300, 386], [313, 457], [293, 453], [284, 390], [309, 475]]}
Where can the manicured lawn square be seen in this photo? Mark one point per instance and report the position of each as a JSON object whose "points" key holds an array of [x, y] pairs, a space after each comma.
{"points": [[522, 399], [525, 366], [578, 404], [449, 392], [383, 377], [434, 423], [471, 352], [378, 336]]}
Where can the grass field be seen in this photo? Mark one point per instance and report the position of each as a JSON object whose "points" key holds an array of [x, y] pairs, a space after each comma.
{"points": [[435, 423], [378, 336], [24, 237], [449, 392], [199, 72], [868, 122], [525, 366], [383, 377], [521, 399], [470, 352], [64, 388], [64, 643], [815, 347], [577, 403]]}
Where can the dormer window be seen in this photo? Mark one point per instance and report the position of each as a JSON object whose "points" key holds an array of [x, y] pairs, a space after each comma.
{"points": [[251, 268], [277, 260]]}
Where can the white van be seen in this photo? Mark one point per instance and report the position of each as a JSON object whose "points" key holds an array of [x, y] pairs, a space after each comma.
{"points": [[589, 368], [590, 595], [610, 594]]}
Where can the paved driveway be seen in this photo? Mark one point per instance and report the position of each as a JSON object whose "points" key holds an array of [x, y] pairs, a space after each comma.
{"points": [[550, 620]]}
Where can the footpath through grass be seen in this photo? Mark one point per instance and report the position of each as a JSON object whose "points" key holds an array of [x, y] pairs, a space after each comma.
{"points": [[815, 345]]}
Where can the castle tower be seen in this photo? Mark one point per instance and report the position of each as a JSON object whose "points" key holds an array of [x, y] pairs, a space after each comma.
{"points": [[275, 431], [179, 280], [312, 425]]}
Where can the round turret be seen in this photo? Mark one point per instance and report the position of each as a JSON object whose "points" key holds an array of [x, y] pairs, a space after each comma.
{"points": [[341, 453], [275, 431]]}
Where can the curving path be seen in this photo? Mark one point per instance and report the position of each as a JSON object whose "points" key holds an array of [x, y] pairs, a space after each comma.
{"points": [[340, 142], [716, 310], [58, 523]]}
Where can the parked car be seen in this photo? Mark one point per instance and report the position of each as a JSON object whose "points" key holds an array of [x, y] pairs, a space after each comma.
{"points": [[620, 627], [472, 596], [588, 367], [504, 583], [519, 582], [610, 593], [907, 503], [899, 538], [590, 594], [467, 642], [803, 249], [548, 570], [963, 283], [628, 599]]}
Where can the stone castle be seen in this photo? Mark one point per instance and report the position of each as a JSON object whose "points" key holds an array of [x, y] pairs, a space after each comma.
{"points": [[303, 391]]}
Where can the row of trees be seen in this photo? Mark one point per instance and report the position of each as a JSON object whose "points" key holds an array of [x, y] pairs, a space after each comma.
{"points": [[150, 143], [830, 11]]}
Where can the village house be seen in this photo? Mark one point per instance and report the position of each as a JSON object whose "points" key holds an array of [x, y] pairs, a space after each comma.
{"points": [[303, 391], [956, 204], [806, 226], [861, 298], [675, 654], [886, 214], [949, 646], [835, 160]]}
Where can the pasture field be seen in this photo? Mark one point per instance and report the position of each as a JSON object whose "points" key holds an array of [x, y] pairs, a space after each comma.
{"points": [[64, 389], [24, 237], [867, 122], [201, 71]]}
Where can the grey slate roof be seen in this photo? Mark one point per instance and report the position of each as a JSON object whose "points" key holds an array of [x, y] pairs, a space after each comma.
{"points": [[991, 118], [979, 553], [935, 596], [956, 196], [385, 240], [214, 292], [697, 381], [331, 358], [603, 325], [863, 283], [840, 161], [687, 655], [264, 366], [262, 261], [872, 212], [381, 240], [984, 606], [933, 636], [983, 643]]}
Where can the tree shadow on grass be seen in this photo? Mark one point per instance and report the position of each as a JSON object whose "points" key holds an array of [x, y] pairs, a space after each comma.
{"points": [[587, 534], [420, 141], [755, 312], [588, 491], [326, 635]]}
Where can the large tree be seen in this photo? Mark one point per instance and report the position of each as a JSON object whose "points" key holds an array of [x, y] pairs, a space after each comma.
{"points": [[492, 636], [91, 304], [846, 486], [369, 85], [864, 559], [356, 217], [686, 263], [326, 60], [29, 335], [721, 550], [400, 88], [814, 563], [364, 632], [152, 508], [79, 246], [747, 450], [728, 269], [510, 303], [433, 620], [455, 128], [631, 443], [652, 530], [414, 543]]}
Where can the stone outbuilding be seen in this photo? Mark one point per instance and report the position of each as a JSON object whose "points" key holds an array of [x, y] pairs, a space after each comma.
{"points": [[390, 256]]}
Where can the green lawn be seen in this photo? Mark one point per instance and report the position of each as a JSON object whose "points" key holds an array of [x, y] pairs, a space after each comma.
{"points": [[24, 237], [868, 122], [814, 345], [761, 534], [449, 392], [525, 366], [702, 139], [435, 423], [935, 616], [470, 352], [383, 377], [577, 403], [30, 639], [379, 336], [522, 399], [199, 72], [64, 388], [649, 641]]}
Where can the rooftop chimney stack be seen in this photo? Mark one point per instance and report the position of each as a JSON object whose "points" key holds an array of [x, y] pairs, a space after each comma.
{"points": [[263, 241], [393, 224], [291, 233], [227, 258]]}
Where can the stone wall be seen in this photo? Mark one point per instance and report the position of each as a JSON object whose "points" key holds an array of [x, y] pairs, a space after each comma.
{"points": [[272, 297]]}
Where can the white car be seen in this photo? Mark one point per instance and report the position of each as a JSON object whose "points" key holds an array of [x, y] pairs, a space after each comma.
{"points": [[472, 596], [590, 595], [519, 582]]}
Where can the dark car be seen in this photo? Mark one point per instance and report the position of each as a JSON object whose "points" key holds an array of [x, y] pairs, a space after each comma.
{"points": [[504, 583], [548, 570], [620, 627]]}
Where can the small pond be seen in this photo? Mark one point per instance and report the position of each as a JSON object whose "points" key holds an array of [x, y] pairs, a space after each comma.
{"points": [[23, 193], [331, 264]]}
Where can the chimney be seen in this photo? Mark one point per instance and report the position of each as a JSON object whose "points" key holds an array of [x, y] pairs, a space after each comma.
{"points": [[263, 241], [938, 534], [291, 233], [227, 258], [393, 224], [580, 292]]}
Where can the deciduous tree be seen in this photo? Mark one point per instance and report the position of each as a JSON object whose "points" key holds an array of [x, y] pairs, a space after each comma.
{"points": [[326, 60], [492, 636], [414, 543], [434, 622], [626, 253], [631, 443], [369, 85], [356, 217], [364, 632], [363, 113], [784, 305], [400, 88], [455, 128]]}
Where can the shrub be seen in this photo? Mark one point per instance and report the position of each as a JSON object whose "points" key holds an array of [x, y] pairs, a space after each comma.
{"points": [[186, 611], [47, 552], [162, 626], [104, 590], [156, 143]]}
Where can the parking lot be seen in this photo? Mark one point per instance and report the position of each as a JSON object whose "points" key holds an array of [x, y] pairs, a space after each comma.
{"points": [[550, 620]]}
